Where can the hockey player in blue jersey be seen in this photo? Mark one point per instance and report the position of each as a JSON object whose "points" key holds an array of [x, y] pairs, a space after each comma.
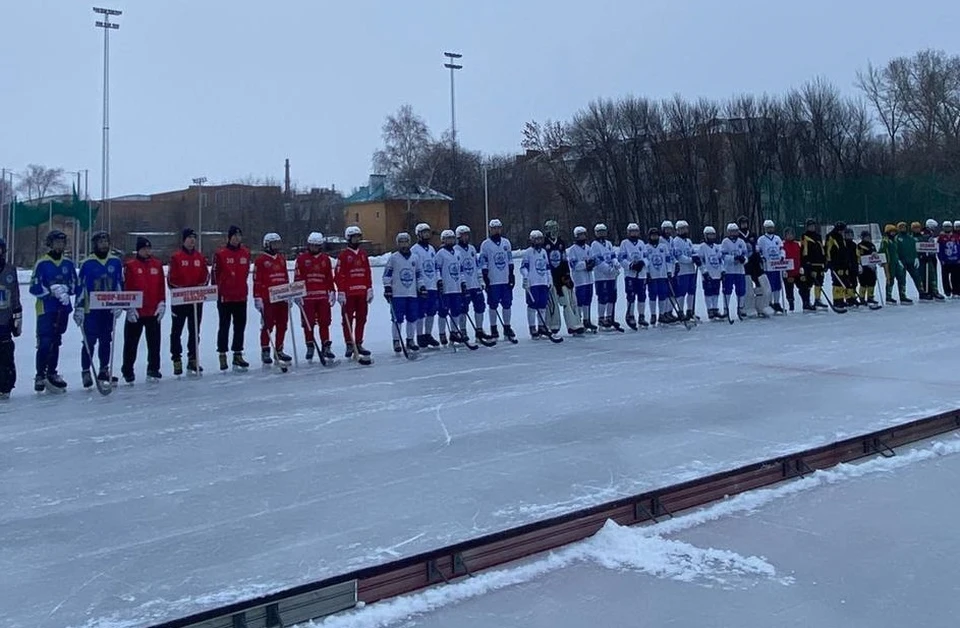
{"points": [[660, 267], [605, 272], [402, 287], [631, 258], [685, 281], [770, 248], [11, 322], [535, 271], [451, 288], [101, 271], [735, 251], [711, 267], [581, 272], [496, 268], [54, 282], [429, 304], [470, 276]]}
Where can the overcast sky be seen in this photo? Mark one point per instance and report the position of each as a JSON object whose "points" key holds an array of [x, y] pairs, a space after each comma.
{"points": [[229, 88]]}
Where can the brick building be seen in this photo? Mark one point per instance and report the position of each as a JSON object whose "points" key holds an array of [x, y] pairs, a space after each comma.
{"points": [[386, 207]]}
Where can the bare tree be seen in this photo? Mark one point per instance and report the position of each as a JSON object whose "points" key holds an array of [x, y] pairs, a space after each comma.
{"points": [[406, 144], [40, 181]]}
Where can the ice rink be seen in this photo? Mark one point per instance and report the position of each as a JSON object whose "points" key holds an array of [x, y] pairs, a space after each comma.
{"points": [[165, 499]]}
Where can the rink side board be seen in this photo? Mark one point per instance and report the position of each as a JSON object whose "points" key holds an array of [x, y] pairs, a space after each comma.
{"points": [[332, 595]]}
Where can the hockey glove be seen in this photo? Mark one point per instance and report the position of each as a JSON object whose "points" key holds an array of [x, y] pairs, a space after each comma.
{"points": [[463, 288], [486, 277], [740, 259], [422, 292], [526, 284], [161, 310], [78, 317], [568, 282], [916, 264], [132, 315], [512, 280], [369, 295], [440, 285], [117, 313], [341, 299], [258, 304], [331, 297], [636, 266], [697, 261], [590, 265], [17, 324], [61, 293], [388, 293]]}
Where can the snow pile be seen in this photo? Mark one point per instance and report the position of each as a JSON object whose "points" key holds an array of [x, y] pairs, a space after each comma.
{"points": [[642, 549]]}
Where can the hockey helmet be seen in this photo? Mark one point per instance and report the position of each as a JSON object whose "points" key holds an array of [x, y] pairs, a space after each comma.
{"points": [[769, 224], [839, 225], [579, 231], [915, 226], [315, 239], [448, 234], [890, 228], [55, 236], [956, 224], [463, 230], [351, 231], [709, 231], [865, 234], [402, 238], [599, 228], [666, 224], [947, 225], [495, 224], [682, 224], [653, 232], [733, 228], [931, 223], [633, 228], [270, 241], [552, 227], [536, 235], [743, 221]]}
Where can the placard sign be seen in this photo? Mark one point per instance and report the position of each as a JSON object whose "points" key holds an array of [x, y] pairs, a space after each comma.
{"points": [[782, 265], [286, 292], [873, 260], [194, 295], [115, 300], [928, 247]]}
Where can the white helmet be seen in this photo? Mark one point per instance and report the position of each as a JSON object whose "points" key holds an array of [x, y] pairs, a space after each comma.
{"points": [[599, 227], [682, 224], [270, 238], [733, 227], [666, 224], [709, 231], [536, 234], [403, 236], [352, 230], [768, 224], [947, 224], [931, 223], [495, 224], [447, 233], [956, 224], [633, 227], [462, 229], [315, 238], [579, 231], [421, 228]]}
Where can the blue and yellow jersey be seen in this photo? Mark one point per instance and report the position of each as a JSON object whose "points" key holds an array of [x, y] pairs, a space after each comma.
{"points": [[48, 272], [98, 275]]}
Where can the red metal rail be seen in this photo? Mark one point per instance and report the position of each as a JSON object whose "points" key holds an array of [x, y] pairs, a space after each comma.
{"points": [[331, 595]]}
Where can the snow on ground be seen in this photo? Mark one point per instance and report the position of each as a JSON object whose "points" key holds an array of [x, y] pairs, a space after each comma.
{"points": [[165, 499], [867, 544]]}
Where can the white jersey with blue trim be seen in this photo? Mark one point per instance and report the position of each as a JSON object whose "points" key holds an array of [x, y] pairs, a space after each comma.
{"points": [[683, 252], [605, 257], [711, 256], [659, 258], [403, 274], [426, 255], [629, 253], [449, 268], [497, 259], [469, 269], [770, 247], [733, 248], [577, 256], [535, 266]]}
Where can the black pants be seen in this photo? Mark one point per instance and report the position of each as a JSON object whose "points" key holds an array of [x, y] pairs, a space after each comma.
{"points": [[183, 316], [131, 342], [237, 312], [789, 284], [951, 278], [8, 367], [813, 278]]}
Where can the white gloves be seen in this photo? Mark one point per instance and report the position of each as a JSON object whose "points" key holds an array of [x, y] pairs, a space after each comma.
{"points": [[526, 283], [341, 299], [17, 324], [60, 292], [916, 264], [331, 297], [117, 314], [78, 317], [369, 295], [132, 315], [258, 303], [161, 310]]}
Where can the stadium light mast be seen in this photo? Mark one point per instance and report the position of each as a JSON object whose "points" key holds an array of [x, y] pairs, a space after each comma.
{"points": [[199, 181], [107, 26]]}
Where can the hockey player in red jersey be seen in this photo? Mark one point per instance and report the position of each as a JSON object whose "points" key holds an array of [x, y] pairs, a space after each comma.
{"points": [[354, 291], [270, 269], [315, 268]]}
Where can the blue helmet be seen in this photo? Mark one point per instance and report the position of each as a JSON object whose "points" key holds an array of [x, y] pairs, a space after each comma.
{"points": [[54, 236]]}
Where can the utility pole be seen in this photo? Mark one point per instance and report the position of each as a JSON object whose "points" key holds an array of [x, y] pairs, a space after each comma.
{"points": [[107, 26], [453, 66], [199, 181]]}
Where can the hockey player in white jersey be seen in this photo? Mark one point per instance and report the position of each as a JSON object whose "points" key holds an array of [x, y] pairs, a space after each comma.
{"points": [[496, 268], [631, 258], [605, 273], [711, 267], [470, 275], [735, 252], [430, 304], [402, 288], [770, 248], [535, 271], [581, 271], [659, 257], [451, 288], [685, 281]]}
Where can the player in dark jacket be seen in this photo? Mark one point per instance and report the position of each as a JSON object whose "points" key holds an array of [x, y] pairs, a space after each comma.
{"points": [[812, 262]]}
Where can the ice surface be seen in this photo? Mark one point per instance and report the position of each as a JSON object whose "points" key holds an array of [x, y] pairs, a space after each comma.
{"points": [[869, 544], [166, 499]]}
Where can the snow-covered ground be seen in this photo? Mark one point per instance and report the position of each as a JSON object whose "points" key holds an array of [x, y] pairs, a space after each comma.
{"points": [[165, 499], [869, 544]]}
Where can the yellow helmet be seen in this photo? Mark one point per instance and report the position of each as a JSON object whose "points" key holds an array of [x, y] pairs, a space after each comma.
{"points": [[915, 225], [890, 229]]}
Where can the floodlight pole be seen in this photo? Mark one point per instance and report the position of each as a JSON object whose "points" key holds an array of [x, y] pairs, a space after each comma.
{"points": [[107, 26], [199, 181]]}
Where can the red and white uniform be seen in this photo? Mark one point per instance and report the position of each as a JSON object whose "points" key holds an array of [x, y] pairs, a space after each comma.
{"points": [[146, 276], [317, 272], [355, 283], [270, 269], [231, 265], [188, 269]]}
